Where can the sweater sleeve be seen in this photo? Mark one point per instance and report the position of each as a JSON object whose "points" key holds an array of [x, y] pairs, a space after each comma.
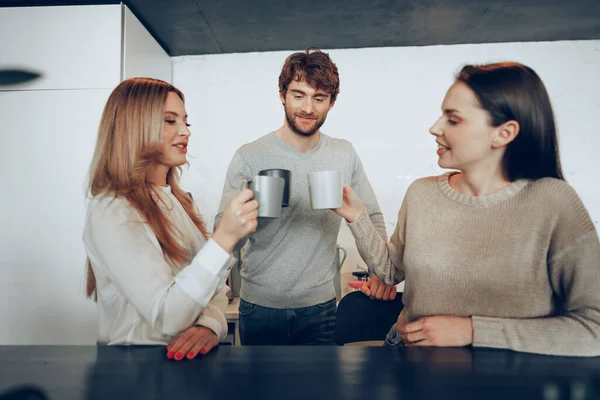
{"points": [[118, 242], [575, 279], [360, 183], [385, 259], [574, 275]]}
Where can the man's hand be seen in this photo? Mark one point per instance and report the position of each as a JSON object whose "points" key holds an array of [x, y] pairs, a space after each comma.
{"points": [[375, 289]]}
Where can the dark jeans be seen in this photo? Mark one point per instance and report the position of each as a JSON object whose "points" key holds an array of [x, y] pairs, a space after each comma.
{"points": [[312, 325]]}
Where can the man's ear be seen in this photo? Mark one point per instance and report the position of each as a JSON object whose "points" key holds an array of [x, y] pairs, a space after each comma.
{"points": [[282, 97]]}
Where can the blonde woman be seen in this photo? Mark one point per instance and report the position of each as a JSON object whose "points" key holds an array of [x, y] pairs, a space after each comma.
{"points": [[154, 273]]}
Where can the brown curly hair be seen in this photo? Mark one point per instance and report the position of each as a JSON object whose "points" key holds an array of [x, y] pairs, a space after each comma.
{"points": [[314, 67]]}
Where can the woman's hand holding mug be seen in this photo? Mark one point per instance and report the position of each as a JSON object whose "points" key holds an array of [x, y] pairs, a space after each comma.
{"points": [[240, 219], [352, 208]]}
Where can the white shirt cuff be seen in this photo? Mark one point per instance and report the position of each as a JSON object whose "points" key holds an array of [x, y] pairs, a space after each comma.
{"points": [[206, 274], [214, 325]]}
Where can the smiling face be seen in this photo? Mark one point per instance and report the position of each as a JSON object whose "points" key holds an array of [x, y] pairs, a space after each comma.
{"points": [[176, 132], [464, 133], [305, 108]]}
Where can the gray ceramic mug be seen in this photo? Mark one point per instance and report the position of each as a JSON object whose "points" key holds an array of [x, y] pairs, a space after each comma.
{"points": [[282, 173], [268, 191]]}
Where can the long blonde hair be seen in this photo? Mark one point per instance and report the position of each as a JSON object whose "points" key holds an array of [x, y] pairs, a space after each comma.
{"points": [[130, 140]]}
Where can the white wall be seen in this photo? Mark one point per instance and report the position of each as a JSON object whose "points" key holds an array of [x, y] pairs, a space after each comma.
{"points": [[74, 47], [49, 131], [389, 98], [142, 55], [42, 213]]}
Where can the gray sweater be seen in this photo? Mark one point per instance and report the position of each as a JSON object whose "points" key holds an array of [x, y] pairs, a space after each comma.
{"points": [[523, 262], [289, 262]]}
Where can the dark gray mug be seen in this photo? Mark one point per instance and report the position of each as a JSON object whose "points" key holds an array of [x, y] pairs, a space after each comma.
{"points": [[282, 173]]}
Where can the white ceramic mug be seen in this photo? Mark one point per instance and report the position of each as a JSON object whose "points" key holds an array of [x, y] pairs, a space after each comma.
{"points": [[325, 189]]}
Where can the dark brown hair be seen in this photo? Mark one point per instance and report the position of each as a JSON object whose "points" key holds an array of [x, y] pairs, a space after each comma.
{"points": [[314, 67], [510, 91]]}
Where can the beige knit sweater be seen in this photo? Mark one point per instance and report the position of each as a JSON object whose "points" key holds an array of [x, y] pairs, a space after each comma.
{"points": [[523, 262]]}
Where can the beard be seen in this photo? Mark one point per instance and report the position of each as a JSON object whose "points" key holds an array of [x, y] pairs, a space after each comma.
{"points": [[317, 123]]}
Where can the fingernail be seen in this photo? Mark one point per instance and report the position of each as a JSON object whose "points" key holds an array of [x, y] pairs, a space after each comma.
{"points": [[191, 354], [178, 356], [170, 355], [203, 351]]}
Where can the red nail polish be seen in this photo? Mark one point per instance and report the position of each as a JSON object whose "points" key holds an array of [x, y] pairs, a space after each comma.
{"points": [[203, 351], [190, 354], [170, 355], [178, 356]]}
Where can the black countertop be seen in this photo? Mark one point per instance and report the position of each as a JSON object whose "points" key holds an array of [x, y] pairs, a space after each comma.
{"points": [[248, 373]]}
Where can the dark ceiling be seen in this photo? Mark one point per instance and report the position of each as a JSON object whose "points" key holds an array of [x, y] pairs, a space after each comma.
{"points": [[187, 27]]}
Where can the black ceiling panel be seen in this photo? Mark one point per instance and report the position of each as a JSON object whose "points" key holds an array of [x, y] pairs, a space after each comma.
{"points": [[188, 27]]}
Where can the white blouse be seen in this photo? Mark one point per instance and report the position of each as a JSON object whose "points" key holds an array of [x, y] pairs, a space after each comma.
{"points": [[142, 299]]}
